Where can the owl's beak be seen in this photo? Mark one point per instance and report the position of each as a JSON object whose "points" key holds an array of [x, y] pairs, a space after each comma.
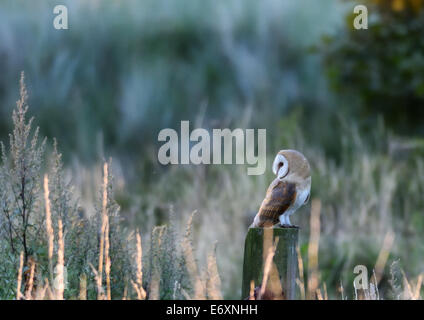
{"points": [[307, 198], [280, 167], [282, 172]]}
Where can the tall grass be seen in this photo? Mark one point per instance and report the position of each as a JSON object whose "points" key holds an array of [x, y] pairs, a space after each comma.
{"points": [[366, 210]]}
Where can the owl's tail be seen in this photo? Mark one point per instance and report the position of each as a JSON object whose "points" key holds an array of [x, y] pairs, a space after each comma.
{"points": [[260, 222]]}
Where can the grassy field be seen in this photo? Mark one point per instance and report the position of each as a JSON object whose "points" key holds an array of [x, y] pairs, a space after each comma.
{"points": [[360, 218], [106, 220]]}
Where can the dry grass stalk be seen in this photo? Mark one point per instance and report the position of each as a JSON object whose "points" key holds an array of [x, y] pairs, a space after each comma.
{"points": [[252, 290], [374, 286], [383, 255], [28, 293], [138, 285], [185, 294], [49, 224], [301, 280], [40, 293], [418, 287], [45, 291], [313, 248], [100, 291], [124, 297], [83, 287], [99, 275], [318, 293], [60, 263], [139, 260], [408, 294], [50, 293], [19, 284], [107, 260], [267, 267], [301, 286], [213, 284], [199, 286], [137, 291], [325, 291]]}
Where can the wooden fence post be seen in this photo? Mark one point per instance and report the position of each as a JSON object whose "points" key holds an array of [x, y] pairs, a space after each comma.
{"points": [[281, 283]]}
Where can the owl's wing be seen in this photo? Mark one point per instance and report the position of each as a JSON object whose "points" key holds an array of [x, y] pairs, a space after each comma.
{"points": [[279, 197]]}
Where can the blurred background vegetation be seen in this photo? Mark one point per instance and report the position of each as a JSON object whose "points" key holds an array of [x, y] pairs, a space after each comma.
{"points": [[350, 100]]}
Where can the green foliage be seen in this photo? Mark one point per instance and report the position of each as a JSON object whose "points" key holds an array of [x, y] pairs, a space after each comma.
{"points": [[20, 183], [22, 225], [22, 215], [381, 68]]}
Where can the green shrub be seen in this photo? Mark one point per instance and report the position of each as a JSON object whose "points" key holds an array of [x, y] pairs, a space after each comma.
{"points": [[382, 68]]}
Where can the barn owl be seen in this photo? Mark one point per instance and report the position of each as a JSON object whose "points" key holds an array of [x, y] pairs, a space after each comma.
{"points": [[287, 193]]}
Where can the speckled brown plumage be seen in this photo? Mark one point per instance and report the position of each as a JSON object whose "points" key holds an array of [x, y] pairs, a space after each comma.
{"points": [[279, 196], [287, 193]]}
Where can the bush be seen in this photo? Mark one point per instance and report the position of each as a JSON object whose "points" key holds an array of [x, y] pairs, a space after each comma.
{"points": [[23, 219], [382, 68]]}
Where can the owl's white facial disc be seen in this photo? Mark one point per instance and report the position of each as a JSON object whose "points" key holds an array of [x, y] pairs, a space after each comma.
{"points": [[280, 167]]}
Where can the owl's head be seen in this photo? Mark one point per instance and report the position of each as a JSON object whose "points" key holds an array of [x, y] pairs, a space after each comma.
{"points": [[289, 163]]}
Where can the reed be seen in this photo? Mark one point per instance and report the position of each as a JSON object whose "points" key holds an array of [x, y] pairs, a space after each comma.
{"points": [[30, 282], [19, 282], [104, 222], [49, 225], [60, 285], [313, 278], [138, 284]]}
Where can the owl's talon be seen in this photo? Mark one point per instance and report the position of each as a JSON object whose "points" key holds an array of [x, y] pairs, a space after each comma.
{"points": [[286, 226]]}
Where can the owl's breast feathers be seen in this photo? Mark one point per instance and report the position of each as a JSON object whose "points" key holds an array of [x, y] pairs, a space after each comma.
{"points": [[279, 197]]}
